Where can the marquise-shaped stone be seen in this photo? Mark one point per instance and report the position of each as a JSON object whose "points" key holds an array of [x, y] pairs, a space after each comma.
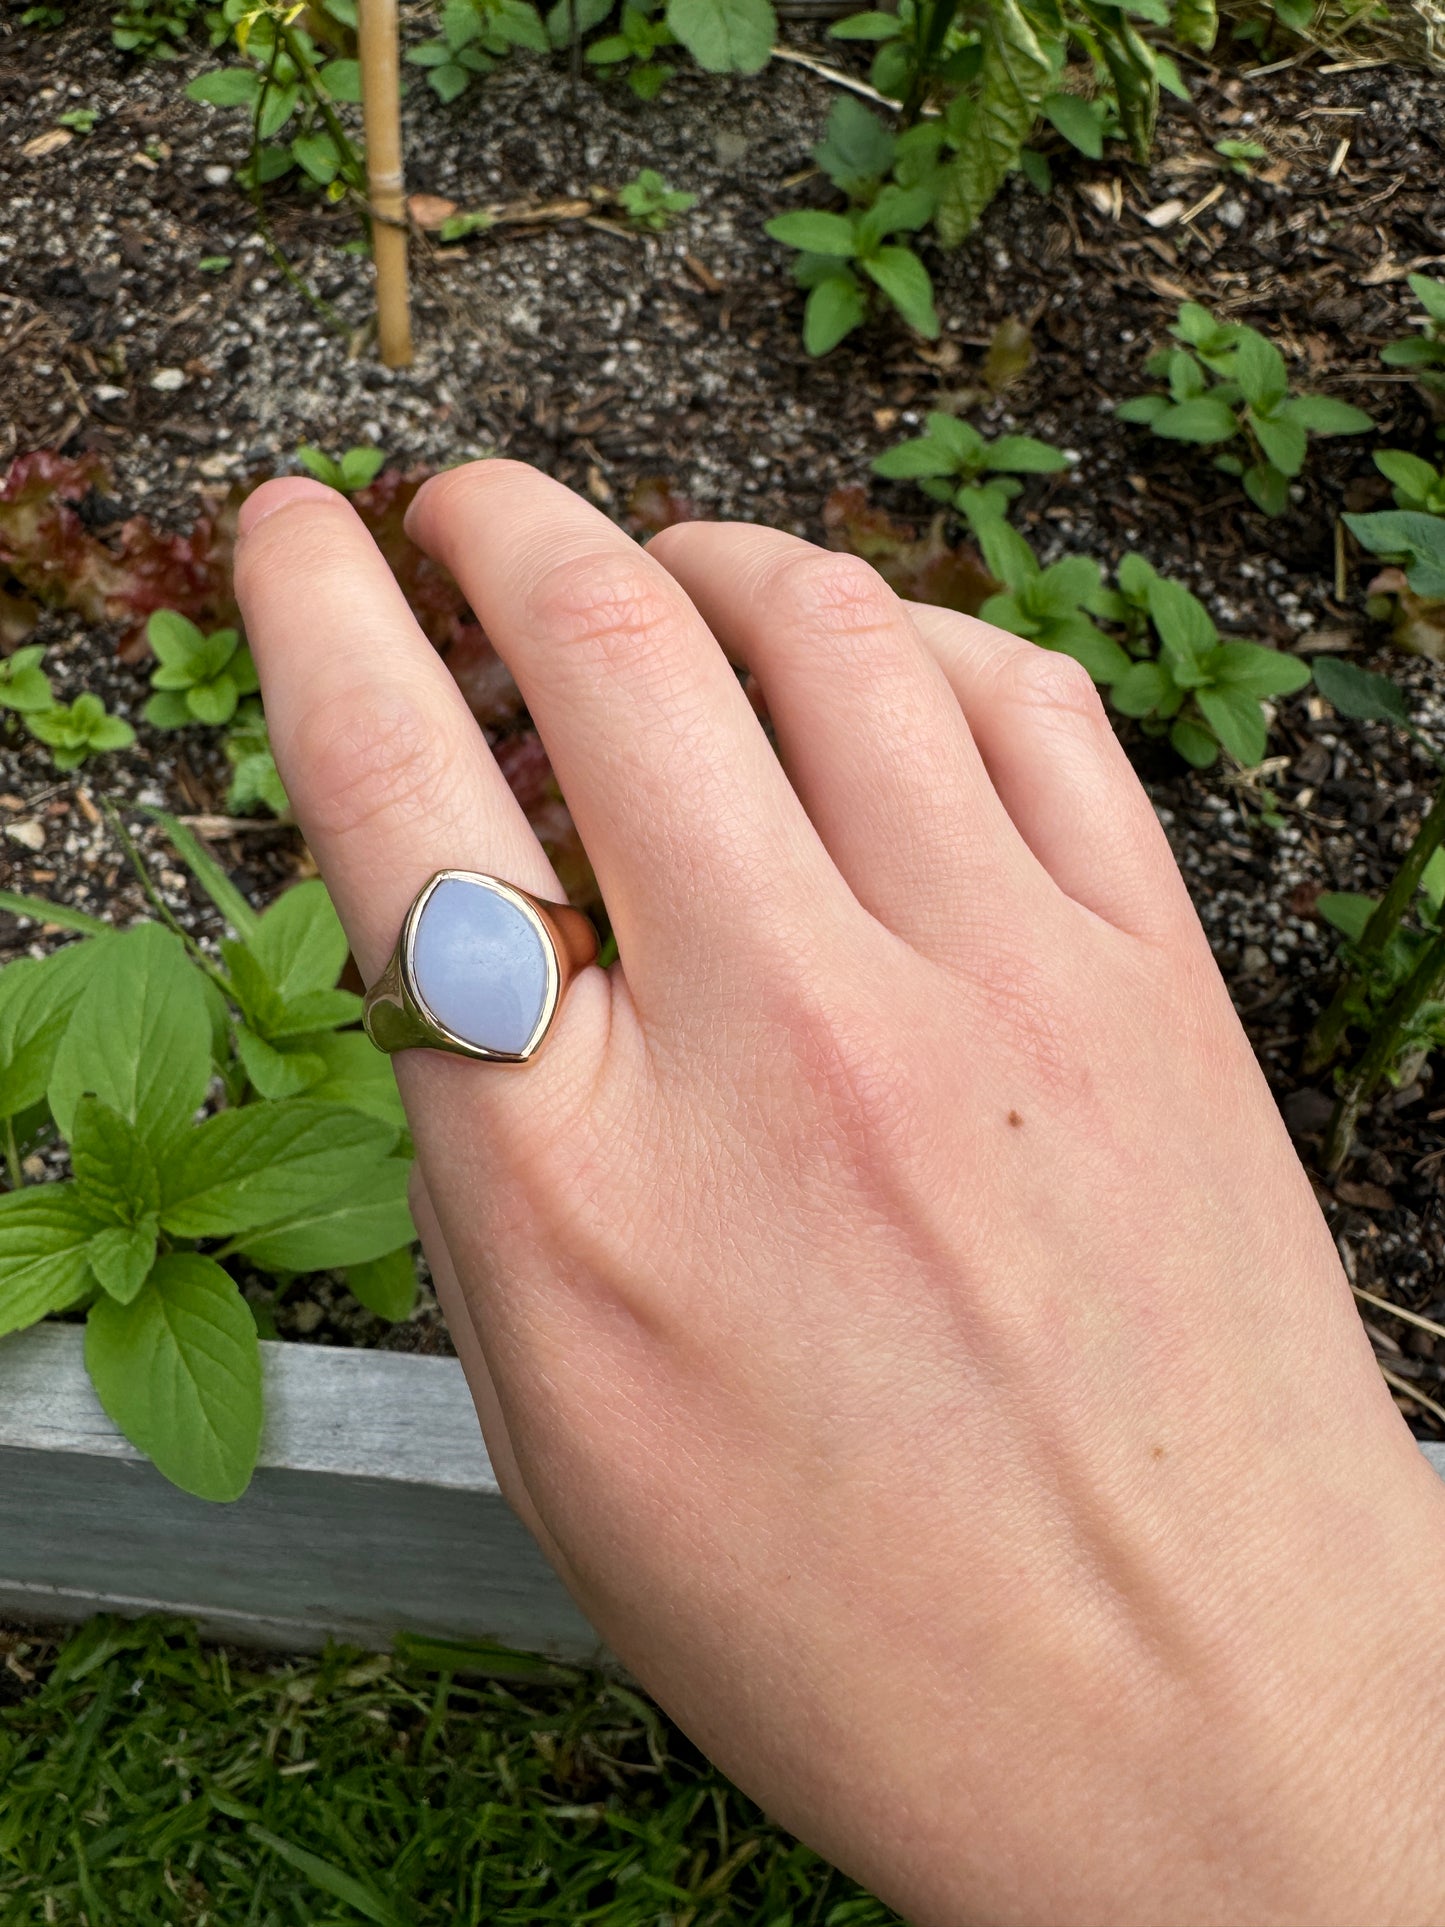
{"points": [[479, 965]]}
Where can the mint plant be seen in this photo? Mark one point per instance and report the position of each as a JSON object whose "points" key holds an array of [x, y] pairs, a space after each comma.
{"points": [[1423, 353], [74, 731], [1412, 538], [1204, 693], [837, 249], [475, 35], [950, 459], [287, 85], [649, 202], [197, 678], [642, 34], [1051, 606], [117, 1044], [1417, 484], [24, 685], [357, 468], [1249, 400], [255, 781]]}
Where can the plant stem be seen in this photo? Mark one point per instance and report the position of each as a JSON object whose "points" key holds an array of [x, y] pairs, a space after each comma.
{"points": [[350, 160], [13, 1165], [1423, 983], [1385, 920]]}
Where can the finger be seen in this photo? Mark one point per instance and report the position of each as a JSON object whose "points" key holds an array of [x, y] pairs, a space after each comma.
{"points": [[1061, 773], [389, 776], [868, 727], [692, 829]]}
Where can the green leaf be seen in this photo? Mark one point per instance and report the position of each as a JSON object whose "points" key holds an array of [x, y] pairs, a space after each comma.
{"points": [[856, 149], [1079, 121], [834, 309], [1076, 636], [1196, 23], [226, 87], [44, 1231], [588, 13], [1237, 720], [1015, 76], [1193, 742], [904, 279], [1007, 556], [121, 1258], [179, 1371], [349, 1228], [923, 456], [342, 80], [37, 996], [42, 910], [1023, 455], [1144, 409], [1403, 532], [168, 709], [1358, 693], [1202, 420], [1259, 369], [277, 107], [897, 210], [315, 1010], [361, 466], [867, 26], [1346, 911], [299, 942], [1141, 690], [276, 1073], [1409, 473], [1267, 488], [813, 231], [357, 1895], [114, 1170], [1260, 671], [139, 1038], [355, 1073], [214, 702], [448, 81], [386, 1285], [1432, 882], [1186, 629], [1430, 293], [1283, 443], [1322, 415], [251, 1166], [317, 155], [725, 36]]}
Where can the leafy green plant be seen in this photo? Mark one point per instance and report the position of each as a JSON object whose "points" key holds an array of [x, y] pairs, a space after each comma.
{"points": [[1205, 693], [475, 35], [1417, 484], [1051, 606], [1239, 156], [1423, 353], [642, 34], [357, 467], [649, 202], [198, 678], [288, 86], [255, 781], [80, 120], [74, 731], [1249, 400], [950, 459], [158, 30], [24, 685], [840, 255], [1411, 538], [1393, 976], [114, 1044]]}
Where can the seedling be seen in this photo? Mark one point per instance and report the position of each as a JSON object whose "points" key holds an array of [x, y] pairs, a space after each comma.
{"points": [[74, 731], [1423, 353], [357, 468], [1239, 156], [114, 1045], [1417, 485], [836, 249], [1250, 401], [475, 35], [642, 34], [24, 685], [1051, 606], [650, 203], [80, 120], [950, 459], [255, 781], [198, 678], [1203, 693]]}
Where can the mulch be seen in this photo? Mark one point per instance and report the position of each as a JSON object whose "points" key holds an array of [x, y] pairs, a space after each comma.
{"points": [[610, 358]]}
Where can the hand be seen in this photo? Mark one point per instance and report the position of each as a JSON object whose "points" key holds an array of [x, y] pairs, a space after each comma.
{"points": [[891, 1298]]}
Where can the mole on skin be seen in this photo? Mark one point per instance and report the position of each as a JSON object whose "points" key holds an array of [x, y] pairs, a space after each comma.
{"points": [[1015, 1119]]}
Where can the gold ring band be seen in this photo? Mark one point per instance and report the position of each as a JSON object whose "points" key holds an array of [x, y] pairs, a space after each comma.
{"points": [[480, 969]]}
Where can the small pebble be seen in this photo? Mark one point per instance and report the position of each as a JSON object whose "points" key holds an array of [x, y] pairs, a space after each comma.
{"points": [[168, 380], [216, 176], [30, 832], [306, 1316]]}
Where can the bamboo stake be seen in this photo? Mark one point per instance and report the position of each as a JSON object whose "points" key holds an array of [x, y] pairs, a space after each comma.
{"points": [[380, 52]]}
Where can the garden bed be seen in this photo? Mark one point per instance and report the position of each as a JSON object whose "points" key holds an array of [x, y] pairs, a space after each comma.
{"points": [[611, 358]]}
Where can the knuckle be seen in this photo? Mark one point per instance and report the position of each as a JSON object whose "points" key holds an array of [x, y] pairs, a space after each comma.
{"points": [[862, 1075], [369, 758], [606, 604], [840, 595], [1045, 679]]}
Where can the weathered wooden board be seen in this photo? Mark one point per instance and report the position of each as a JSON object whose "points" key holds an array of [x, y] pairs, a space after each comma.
{"points": [[373, 1510]]}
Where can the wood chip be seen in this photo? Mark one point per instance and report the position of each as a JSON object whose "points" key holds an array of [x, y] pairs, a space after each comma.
{"points": [[47, 143], [702, 274], [1165, 215], [1364, 1196], [1337, 160], [430, 210], [1206, 201]]}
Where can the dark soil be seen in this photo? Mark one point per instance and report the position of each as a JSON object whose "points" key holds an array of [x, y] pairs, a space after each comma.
{"points": [[608, 358]]}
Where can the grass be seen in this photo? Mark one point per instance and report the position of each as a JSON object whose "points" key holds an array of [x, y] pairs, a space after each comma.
{"points": [[150, 1779]]}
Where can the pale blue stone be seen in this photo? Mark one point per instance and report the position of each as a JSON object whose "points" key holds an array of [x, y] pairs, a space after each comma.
{"points": [[479, 965]]}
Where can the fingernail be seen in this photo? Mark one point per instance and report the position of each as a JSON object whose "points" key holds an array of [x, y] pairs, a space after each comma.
{"points": [[279, 494], [406, 520]]}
